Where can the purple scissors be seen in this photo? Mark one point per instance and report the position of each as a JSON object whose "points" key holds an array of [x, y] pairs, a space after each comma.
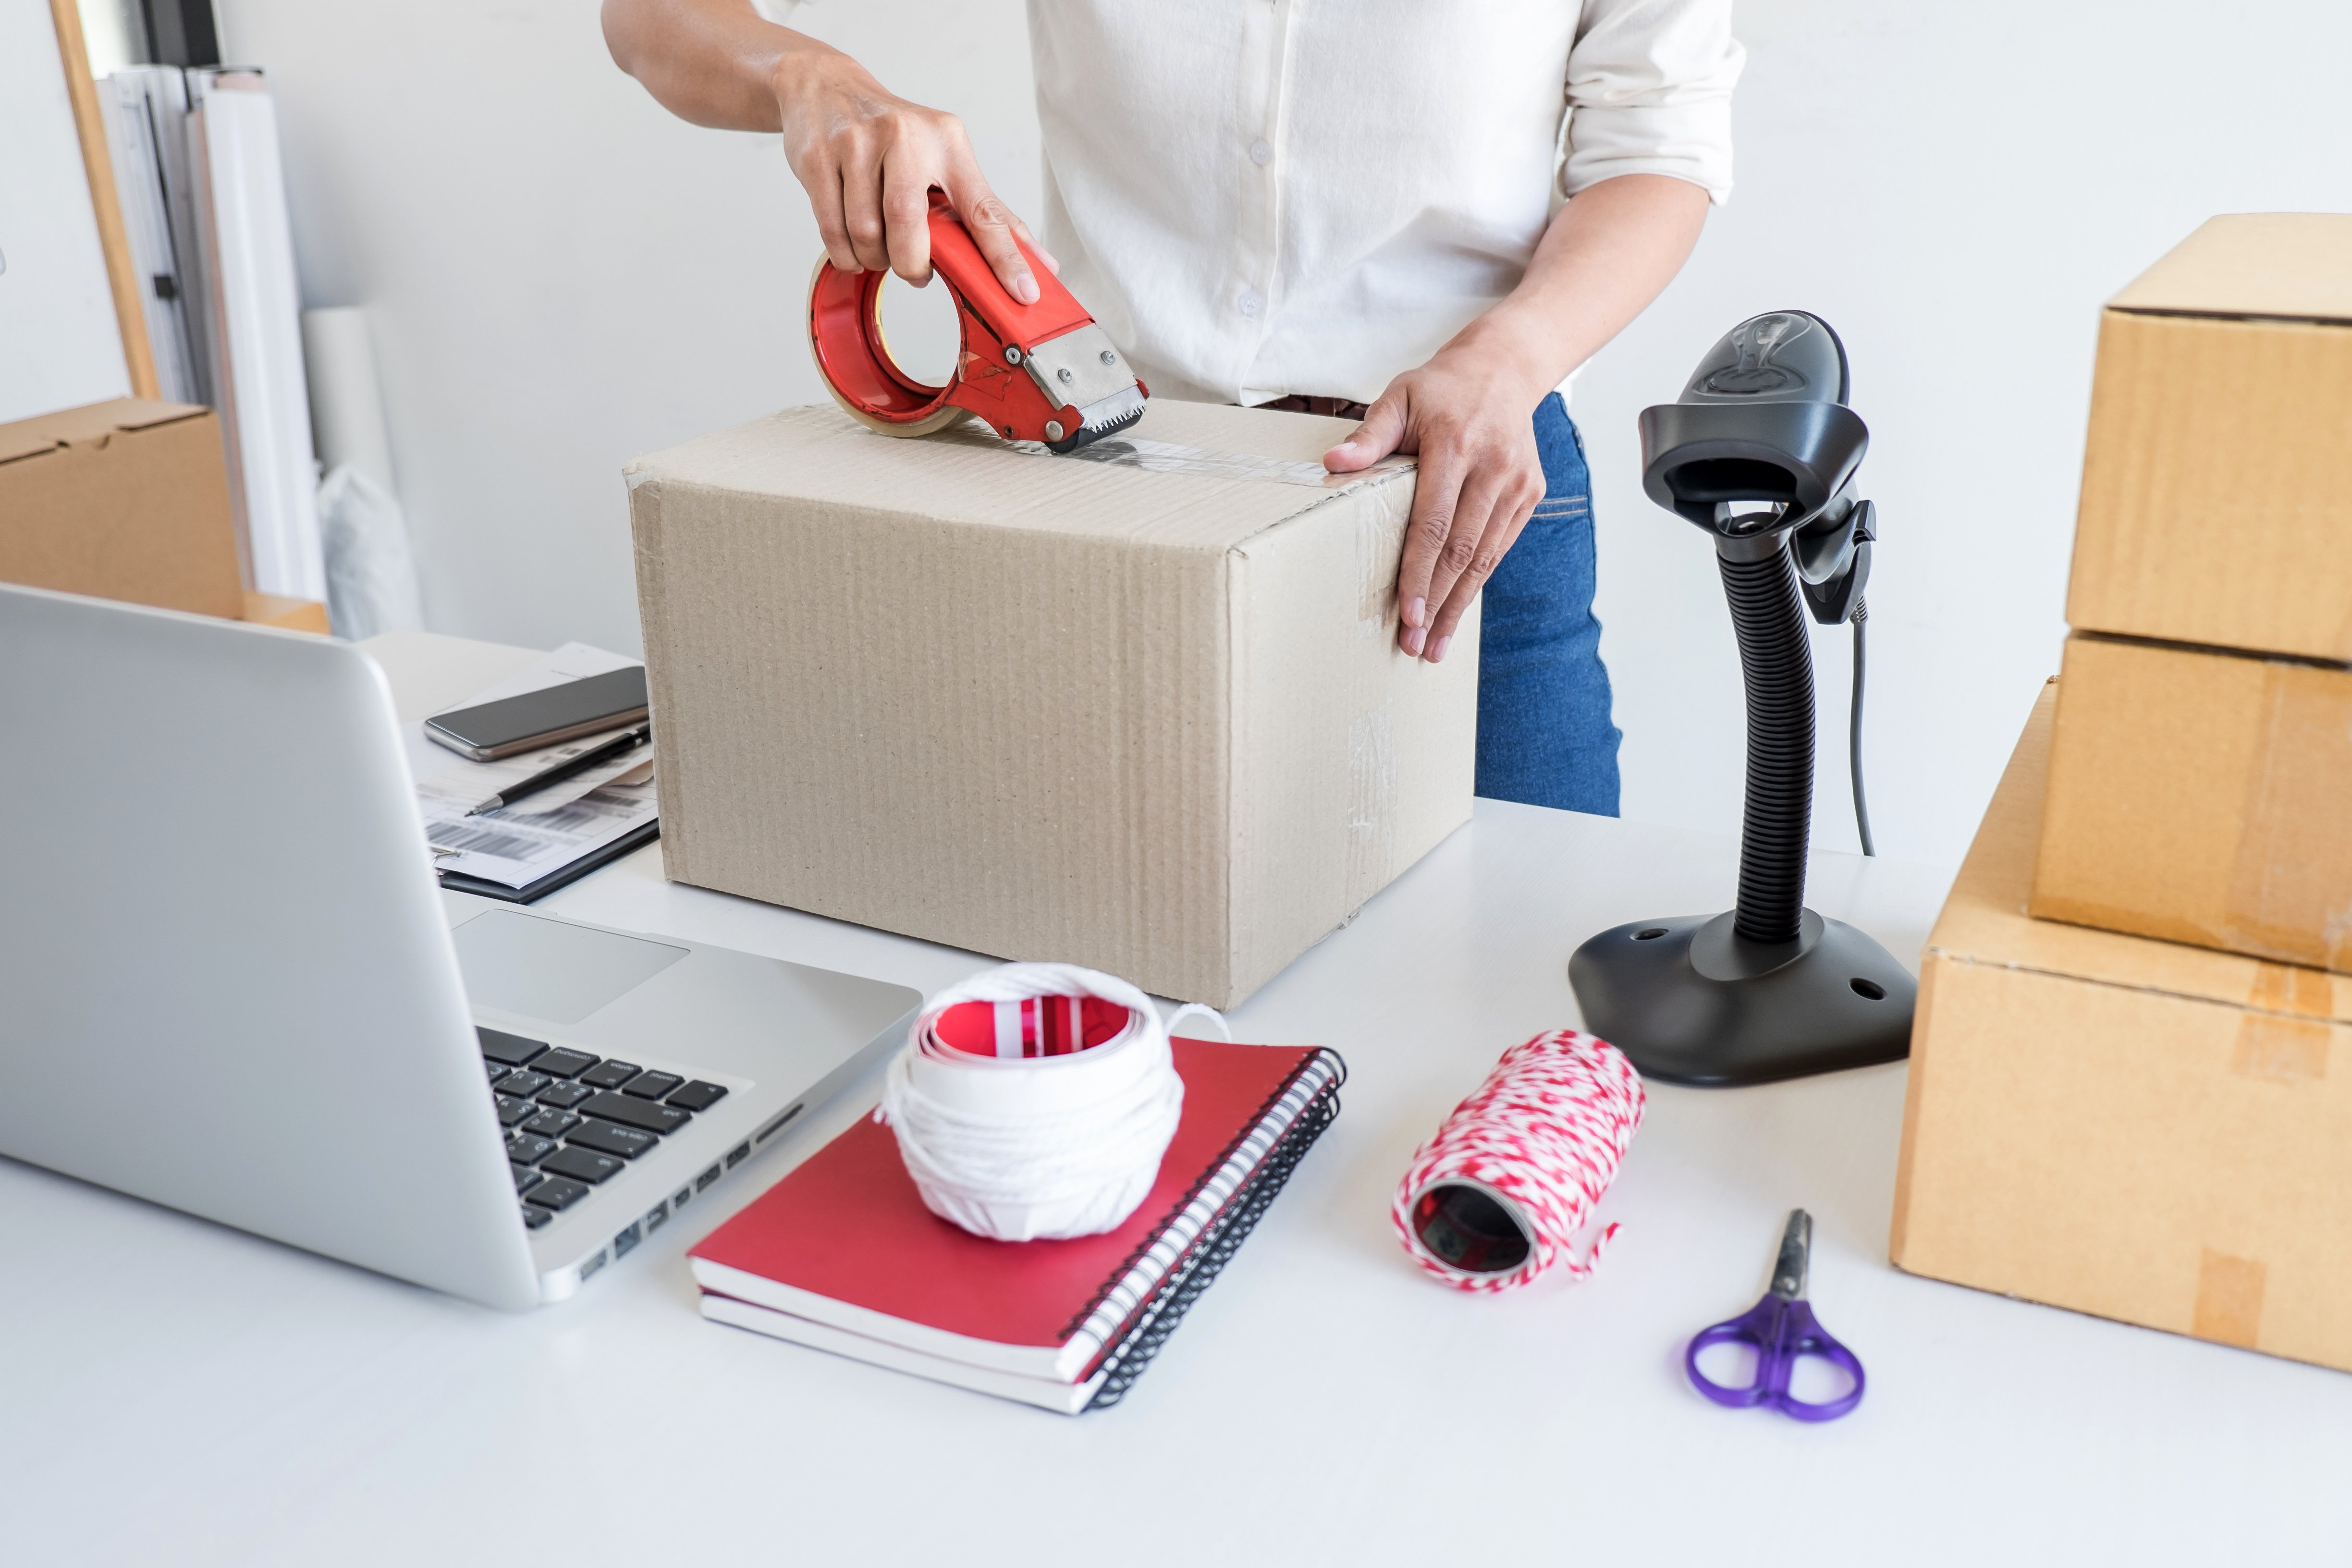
{"points": [[1781, 1327]]}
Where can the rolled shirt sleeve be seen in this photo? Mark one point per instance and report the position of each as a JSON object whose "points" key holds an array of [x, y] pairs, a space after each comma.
{"points": [[1649, 92]]}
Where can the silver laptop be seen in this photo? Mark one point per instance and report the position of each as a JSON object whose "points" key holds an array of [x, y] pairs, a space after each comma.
{"points": [[229, 983]]}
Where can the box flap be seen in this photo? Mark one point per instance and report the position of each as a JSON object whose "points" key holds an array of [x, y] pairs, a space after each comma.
{"points": [[2293, 265], [820, 454], [1984, 919], [72, 426]]}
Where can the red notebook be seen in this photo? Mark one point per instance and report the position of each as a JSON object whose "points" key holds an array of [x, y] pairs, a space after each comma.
{"points": [[844, 1246]]}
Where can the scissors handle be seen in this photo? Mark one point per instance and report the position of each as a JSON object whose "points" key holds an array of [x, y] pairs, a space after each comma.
{"points": [[1754, 1328], [1779, 1332]]}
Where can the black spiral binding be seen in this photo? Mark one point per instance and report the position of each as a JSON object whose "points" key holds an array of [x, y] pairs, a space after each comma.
{"points": [[1216, 1244]]}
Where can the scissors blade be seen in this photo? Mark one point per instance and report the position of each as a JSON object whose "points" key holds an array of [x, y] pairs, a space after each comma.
{"points": [[1796, 1258]]}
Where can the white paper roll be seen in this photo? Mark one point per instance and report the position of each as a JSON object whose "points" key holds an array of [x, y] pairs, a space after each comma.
{"points": [[264, 402], [347, 421]]}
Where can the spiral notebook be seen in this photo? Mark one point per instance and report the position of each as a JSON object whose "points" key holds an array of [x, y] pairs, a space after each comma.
{"points": [[842, 1256]]}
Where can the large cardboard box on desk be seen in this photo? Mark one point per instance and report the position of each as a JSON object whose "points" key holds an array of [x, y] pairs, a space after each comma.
{"points": [[2215, 508], [126, 499], [1152, 722], [2133, 1128], [2201, 796]]}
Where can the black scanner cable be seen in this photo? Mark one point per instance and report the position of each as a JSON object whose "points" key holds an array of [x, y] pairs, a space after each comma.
{"points": [[1853, 728]]}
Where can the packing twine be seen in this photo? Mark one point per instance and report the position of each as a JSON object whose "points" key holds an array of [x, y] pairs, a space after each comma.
{"points": [[1057, 1133], [1539, 1142]]}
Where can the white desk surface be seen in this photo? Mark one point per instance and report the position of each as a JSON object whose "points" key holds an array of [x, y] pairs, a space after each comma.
{"points": [[177, 1393]]}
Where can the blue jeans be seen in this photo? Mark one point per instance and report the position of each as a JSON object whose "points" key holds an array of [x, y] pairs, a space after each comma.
{"points": [[1544, 734]]}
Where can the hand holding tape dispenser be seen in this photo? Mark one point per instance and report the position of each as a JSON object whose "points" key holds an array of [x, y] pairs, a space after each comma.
{"points": [[1033, 372]]}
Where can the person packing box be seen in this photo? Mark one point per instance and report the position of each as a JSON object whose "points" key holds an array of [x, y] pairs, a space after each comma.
{"points": [[2098, 1119], [1177, 719]]}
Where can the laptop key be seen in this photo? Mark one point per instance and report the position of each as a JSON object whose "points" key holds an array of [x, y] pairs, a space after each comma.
{"points": [[582, 1164], [609, 1074], [563, 1096], [497, 1070], [534, 1218], [557, 1194], [523, 1083], [511, 1050], [652, 1085], [528, 1148], [511, 1110], [697, 1096], [550, 1124], [525, 1178], [641, 1114], [607, 1139], [564, 1062]]}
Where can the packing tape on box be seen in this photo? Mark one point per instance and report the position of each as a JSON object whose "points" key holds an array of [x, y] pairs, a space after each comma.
{"points": [[1168, 457], [1497, 1195], [2288, 874], [1035, 1100]]}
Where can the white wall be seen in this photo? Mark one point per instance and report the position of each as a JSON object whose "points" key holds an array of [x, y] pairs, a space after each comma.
{"points": [[60, 345], [564, 277]]}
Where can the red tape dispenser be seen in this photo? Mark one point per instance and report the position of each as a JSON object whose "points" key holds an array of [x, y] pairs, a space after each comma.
{"points": [[1035, 372]]}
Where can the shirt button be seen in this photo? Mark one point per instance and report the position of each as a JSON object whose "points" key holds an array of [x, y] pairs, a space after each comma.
{"points": [[1260, 154], [1250, 304]]}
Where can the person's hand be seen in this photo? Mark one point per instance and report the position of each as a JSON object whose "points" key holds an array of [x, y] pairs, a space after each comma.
{"points": [[868, 160], [1469, 415]]}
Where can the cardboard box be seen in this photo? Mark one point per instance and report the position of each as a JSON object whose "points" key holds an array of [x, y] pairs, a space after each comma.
{"points": [[1150, 723], [2152, 1132], [2214, 505], [2201, 797], [293, 615], [126, 499]]}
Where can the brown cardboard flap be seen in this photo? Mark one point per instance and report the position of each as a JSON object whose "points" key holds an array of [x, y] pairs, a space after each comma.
{"points": [[1985, 919], [2293, 265], [93, 422]]}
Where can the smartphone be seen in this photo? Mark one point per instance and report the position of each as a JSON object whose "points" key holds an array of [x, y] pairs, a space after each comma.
{"points": [[493, 730]]}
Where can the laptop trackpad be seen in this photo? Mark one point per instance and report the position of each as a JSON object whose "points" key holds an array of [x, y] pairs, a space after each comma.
{"points": [[546, 968]]}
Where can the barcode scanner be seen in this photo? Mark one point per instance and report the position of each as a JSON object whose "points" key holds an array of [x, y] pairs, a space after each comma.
{"points": [[1762, 452]]}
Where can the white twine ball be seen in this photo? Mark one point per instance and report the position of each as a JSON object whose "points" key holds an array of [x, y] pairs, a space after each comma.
{"points": [[1022, 1148]]}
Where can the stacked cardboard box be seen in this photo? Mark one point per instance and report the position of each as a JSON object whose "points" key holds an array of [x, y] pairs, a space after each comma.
{"points": [[2200, 789], [2099, 1119], [2124, 1126]]}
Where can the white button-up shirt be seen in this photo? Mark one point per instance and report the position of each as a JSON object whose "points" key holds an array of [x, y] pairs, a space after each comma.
{"points": [[1260, 197]]}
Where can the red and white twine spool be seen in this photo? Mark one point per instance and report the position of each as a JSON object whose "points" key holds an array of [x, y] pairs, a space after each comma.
{"points": [[1496, 1195]]}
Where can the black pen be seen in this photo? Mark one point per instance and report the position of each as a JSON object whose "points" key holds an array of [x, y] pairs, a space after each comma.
{"points": [[627, 741]]}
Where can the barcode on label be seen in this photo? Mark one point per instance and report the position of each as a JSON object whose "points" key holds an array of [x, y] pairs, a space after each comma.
{"points": [[565, 819], [482, 841], [588, 811]]}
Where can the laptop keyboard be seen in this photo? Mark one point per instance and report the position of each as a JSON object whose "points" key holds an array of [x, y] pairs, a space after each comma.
{"points": [[574, 1120]]}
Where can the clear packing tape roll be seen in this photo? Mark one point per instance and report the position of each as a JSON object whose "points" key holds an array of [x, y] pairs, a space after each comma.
{"points": [[1035, 1100], [1497, 1195]]}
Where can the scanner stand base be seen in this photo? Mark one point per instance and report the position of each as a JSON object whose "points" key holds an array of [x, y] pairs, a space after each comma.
{"points": [[1689, 1001]]}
